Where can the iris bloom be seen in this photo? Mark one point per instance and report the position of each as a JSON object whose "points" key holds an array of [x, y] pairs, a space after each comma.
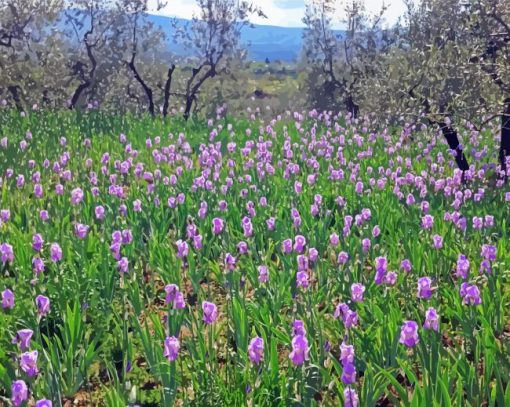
{"points": [[405, 265], [470, 294], [55, 252], [19, 391], [28, 363], [424, 288], [357, 291], [409, 334], [300, 350], [348, 373], [263, 274], [172, 346], [256, 350], [350, 397], [43, 305], [217, 225], [346, 353], [22, 338], [431, 319], [7, 299], [462, 269], [210, 312]]}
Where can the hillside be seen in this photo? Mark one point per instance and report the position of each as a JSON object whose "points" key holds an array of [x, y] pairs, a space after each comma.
{"points": [[262, 41]]}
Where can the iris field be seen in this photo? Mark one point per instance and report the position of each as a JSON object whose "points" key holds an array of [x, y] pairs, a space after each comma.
{"points": [[305, 260]]}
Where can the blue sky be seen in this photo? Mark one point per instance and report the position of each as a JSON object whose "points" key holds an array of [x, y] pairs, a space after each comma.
{"points": [[286, 13]]}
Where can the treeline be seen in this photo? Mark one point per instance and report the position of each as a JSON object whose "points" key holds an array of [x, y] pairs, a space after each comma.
{"points": [[102, 53], [446, 61]]}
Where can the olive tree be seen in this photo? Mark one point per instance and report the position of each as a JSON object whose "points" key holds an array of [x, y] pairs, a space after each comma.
{"points": [[93, 28], [214, 38], [26, 47], [489, 26], [141, 35], [343, 59], [425, 75]]}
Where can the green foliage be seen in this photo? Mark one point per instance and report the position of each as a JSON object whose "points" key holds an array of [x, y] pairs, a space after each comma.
{"points": [[106, 331]]}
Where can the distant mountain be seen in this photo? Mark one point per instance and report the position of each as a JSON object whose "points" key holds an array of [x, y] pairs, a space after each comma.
{"points": [[262, 41]]}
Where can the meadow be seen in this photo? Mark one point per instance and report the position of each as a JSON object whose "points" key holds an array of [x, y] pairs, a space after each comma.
{"points": [[303, 260]]}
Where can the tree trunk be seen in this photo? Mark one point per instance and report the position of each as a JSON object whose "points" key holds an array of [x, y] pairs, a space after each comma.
{"points": [[14, 91], [191, 91], [504, 147], [352, 107], [86, 82], [168, 85], [187, 110], [450, 135], [147, 90], [452, 139], [77, 93]]}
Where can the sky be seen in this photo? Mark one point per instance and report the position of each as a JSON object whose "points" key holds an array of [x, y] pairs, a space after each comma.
{"points": [[285, 13]]}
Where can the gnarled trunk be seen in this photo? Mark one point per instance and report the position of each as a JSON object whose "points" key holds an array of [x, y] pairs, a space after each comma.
{"points": [[352, 107], [452, 138], [14, 91], [504, 146], [450, 134], [192, 90], [187, 110], [88, 80], [168, 85], [77, 93], [146, 88]]}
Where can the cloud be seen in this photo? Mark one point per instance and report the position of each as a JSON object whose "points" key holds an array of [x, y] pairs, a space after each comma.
{"points": [[289, 4], [285, 13]]}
